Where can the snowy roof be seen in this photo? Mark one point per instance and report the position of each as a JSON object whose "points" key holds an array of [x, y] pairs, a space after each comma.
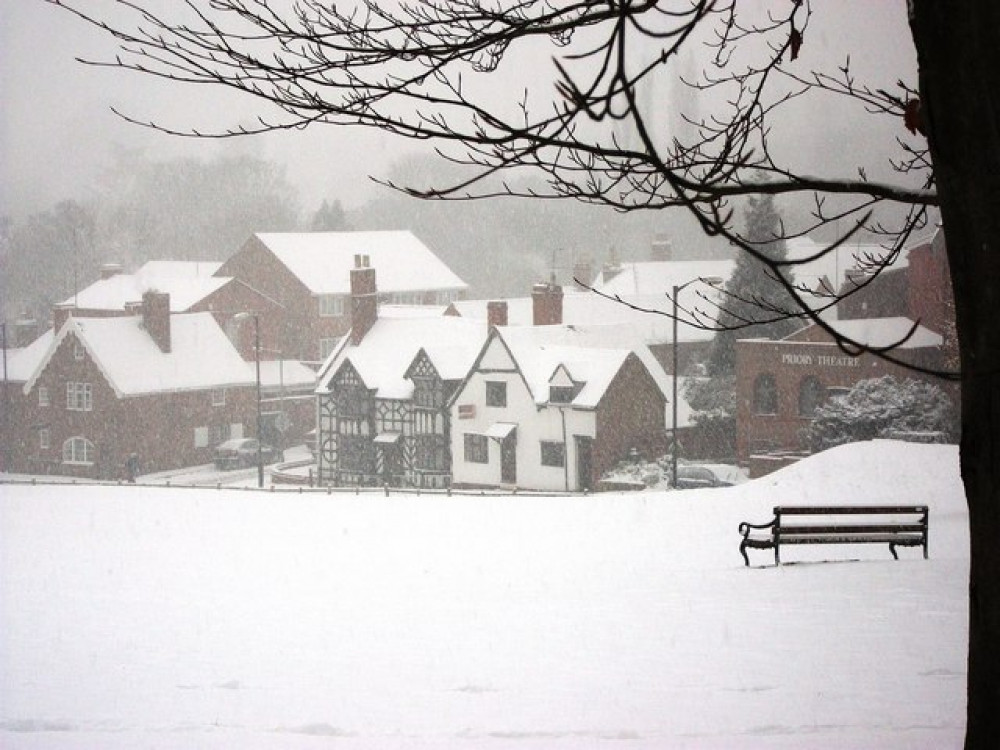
{"points": [[22, 363], [201, 355], [387, 350], [323, 260], [290, 373], [590, 354], [879, 332], [835, 265], [187, 283], [589, 308], [648, 278]]}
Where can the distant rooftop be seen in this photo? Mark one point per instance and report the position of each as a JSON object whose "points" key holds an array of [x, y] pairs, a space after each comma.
{"points": [[323, 260]]}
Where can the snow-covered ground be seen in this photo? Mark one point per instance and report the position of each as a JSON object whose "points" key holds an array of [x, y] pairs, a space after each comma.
{"points": [[147, 617]]}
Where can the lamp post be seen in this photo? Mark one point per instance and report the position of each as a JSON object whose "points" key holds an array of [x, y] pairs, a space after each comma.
{"points": [[678, 288], [256, 357]]}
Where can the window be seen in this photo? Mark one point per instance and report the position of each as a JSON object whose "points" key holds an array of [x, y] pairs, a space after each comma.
{"points": [[561, 394], [200, 437], [218, 397], [78, 450], [431, 453], [496, 393], [477, 449], [79, 397], [765, 395], [43, 438], [553, 453], [78, 351], [356, 453], [326, 347], [811, 396], [43, 396], [331, 305]]}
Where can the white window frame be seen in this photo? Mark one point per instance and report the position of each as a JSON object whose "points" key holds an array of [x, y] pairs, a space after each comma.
{"points": [[218, 397], [79, 396], [78, 351], [71, 448], [332, 305], [43, 396], [44, 439]]}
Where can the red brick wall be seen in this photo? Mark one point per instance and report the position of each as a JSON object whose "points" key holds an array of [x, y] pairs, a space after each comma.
{"points": [[160, 428], [791, 363], [632, 414], [299, 323]]}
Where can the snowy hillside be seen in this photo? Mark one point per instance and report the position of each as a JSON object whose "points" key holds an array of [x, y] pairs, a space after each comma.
{"points": [[146, 617]]}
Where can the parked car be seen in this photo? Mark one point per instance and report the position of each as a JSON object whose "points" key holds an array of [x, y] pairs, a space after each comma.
{"points": [[692, 476], [242, 452]]}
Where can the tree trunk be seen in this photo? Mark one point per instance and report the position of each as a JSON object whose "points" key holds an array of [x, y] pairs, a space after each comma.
{"points": [[958, 48]]}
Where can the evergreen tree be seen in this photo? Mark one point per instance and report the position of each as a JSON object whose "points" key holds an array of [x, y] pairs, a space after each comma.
{"points": [[329, 217], [754, 300]]}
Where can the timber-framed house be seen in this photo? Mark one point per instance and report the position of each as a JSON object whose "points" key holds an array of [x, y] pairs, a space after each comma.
{"points": [[383, 401]]}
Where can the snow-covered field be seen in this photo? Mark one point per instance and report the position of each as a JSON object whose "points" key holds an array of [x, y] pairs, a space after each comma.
{"points": [[146, 617]]}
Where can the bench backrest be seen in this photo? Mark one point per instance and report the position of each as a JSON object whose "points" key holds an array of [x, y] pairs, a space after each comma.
{"points": [[831, 510]]}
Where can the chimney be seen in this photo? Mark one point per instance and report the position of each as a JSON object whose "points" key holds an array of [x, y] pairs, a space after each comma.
{"points": [[156, 318], [611, 267], [661, 249], [583, 273], [496, 313], [60, 314], [25, 330], [364, 298], [547, 304], [110, 269]]}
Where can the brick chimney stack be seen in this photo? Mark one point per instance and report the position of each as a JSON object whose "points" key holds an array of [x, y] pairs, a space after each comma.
{"points": [[583, 273], [364, 298], [547, 304], [110, 269], [60, 314], [496, 313], [156, 318], [25, 330], [661, 249]]}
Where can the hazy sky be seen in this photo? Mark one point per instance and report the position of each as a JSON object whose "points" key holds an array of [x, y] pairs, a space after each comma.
{"points": [[58, 130]]}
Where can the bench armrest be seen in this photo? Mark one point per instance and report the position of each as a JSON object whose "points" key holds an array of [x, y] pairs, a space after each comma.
{"points": [[745, 526]]}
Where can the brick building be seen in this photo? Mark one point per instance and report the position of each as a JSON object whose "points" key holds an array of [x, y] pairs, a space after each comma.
{"points": [[780, 384], [308, 275], [167, 387]]}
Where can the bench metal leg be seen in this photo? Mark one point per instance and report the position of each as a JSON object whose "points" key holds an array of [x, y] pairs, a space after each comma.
{"points": [[743, 551], [892, 549]]}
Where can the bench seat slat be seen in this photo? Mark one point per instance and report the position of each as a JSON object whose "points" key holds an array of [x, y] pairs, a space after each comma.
{"points": [[870, 528]]}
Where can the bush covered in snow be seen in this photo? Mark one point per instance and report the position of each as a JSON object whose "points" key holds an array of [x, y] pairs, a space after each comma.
{"points": [[883, 407]]}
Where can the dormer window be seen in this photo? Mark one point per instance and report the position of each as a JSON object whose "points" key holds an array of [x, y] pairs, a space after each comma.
{"points": [[561, 394]]}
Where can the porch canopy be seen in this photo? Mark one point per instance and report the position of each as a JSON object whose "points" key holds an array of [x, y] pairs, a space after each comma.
{"points": [[387, 438], [500, 430]]}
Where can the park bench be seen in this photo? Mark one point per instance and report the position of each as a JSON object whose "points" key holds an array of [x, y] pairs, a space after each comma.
{"points": [[895, 525]]}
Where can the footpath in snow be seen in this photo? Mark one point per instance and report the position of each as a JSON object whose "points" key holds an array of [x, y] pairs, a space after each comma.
{"points": [[148, 617]]}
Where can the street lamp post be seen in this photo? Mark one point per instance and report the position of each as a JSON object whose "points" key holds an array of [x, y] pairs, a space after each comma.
{"points": [[678, 288], [256, 357]]}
